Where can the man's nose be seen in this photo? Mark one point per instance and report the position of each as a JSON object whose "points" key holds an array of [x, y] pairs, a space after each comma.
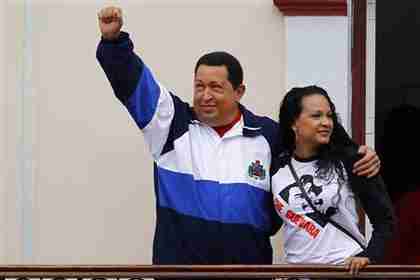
{"points": [[207, 95]]}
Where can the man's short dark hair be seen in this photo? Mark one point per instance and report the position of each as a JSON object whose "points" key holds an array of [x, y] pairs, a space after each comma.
{"points": [[234, 68]]}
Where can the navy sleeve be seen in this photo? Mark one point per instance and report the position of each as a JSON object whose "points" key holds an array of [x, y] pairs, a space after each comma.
{"points": [[122, 66], [378, 206]]}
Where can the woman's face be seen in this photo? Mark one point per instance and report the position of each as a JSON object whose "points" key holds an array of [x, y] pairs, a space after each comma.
{"points": [[314, 125]]}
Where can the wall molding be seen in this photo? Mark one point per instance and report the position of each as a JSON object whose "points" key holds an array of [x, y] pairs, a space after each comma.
{"points": [[358, 67], [312, 7]]}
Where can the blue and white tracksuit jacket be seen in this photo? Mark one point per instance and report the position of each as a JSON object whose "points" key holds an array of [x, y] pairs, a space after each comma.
{"points": [[214, 203]]}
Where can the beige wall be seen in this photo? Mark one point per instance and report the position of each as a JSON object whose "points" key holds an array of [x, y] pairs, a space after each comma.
{"points": [[79, 179], [11, 80], [2, 127]]}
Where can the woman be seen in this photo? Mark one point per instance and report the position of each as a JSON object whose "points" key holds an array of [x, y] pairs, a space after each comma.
{"points": [[315, 190]]}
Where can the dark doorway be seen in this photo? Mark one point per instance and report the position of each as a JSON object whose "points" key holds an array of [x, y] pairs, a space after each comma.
{"points": [[397, 121], [398, 92]]}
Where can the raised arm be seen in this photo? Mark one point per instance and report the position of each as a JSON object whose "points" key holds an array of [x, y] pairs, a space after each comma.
{"points": [[122, 66], [149, 103]]}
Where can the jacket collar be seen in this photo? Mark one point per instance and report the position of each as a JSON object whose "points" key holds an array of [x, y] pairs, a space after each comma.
{"points": [[252, 126]]}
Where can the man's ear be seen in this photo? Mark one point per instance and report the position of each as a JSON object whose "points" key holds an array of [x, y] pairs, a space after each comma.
{"points": [[240, 91]]}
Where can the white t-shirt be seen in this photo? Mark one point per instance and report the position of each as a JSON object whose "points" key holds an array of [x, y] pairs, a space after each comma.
{"points": [[307, 239]]}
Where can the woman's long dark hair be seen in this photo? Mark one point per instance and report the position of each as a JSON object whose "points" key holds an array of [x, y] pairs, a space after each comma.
{"points": [[328, 158]]}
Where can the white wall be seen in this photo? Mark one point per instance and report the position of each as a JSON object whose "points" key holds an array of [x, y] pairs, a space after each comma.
{"points": [[79, 179], [370, 72], [370, 84], [318, 53]]}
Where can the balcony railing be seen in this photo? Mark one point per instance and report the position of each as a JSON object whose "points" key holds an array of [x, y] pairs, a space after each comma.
{"points": [[204, 271]]}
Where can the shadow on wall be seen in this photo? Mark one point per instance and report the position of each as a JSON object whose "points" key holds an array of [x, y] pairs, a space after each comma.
{"points": [[402, 175], [401, 150]]}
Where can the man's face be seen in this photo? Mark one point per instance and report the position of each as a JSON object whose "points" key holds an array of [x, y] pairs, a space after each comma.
{"points": [[215, 100]]}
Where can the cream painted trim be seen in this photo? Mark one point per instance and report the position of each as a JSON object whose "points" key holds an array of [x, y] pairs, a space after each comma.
{"points": [[3, 131], [25, 111]]}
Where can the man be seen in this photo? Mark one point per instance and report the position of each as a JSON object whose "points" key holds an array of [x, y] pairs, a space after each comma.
{"points": [[212, 161]]}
